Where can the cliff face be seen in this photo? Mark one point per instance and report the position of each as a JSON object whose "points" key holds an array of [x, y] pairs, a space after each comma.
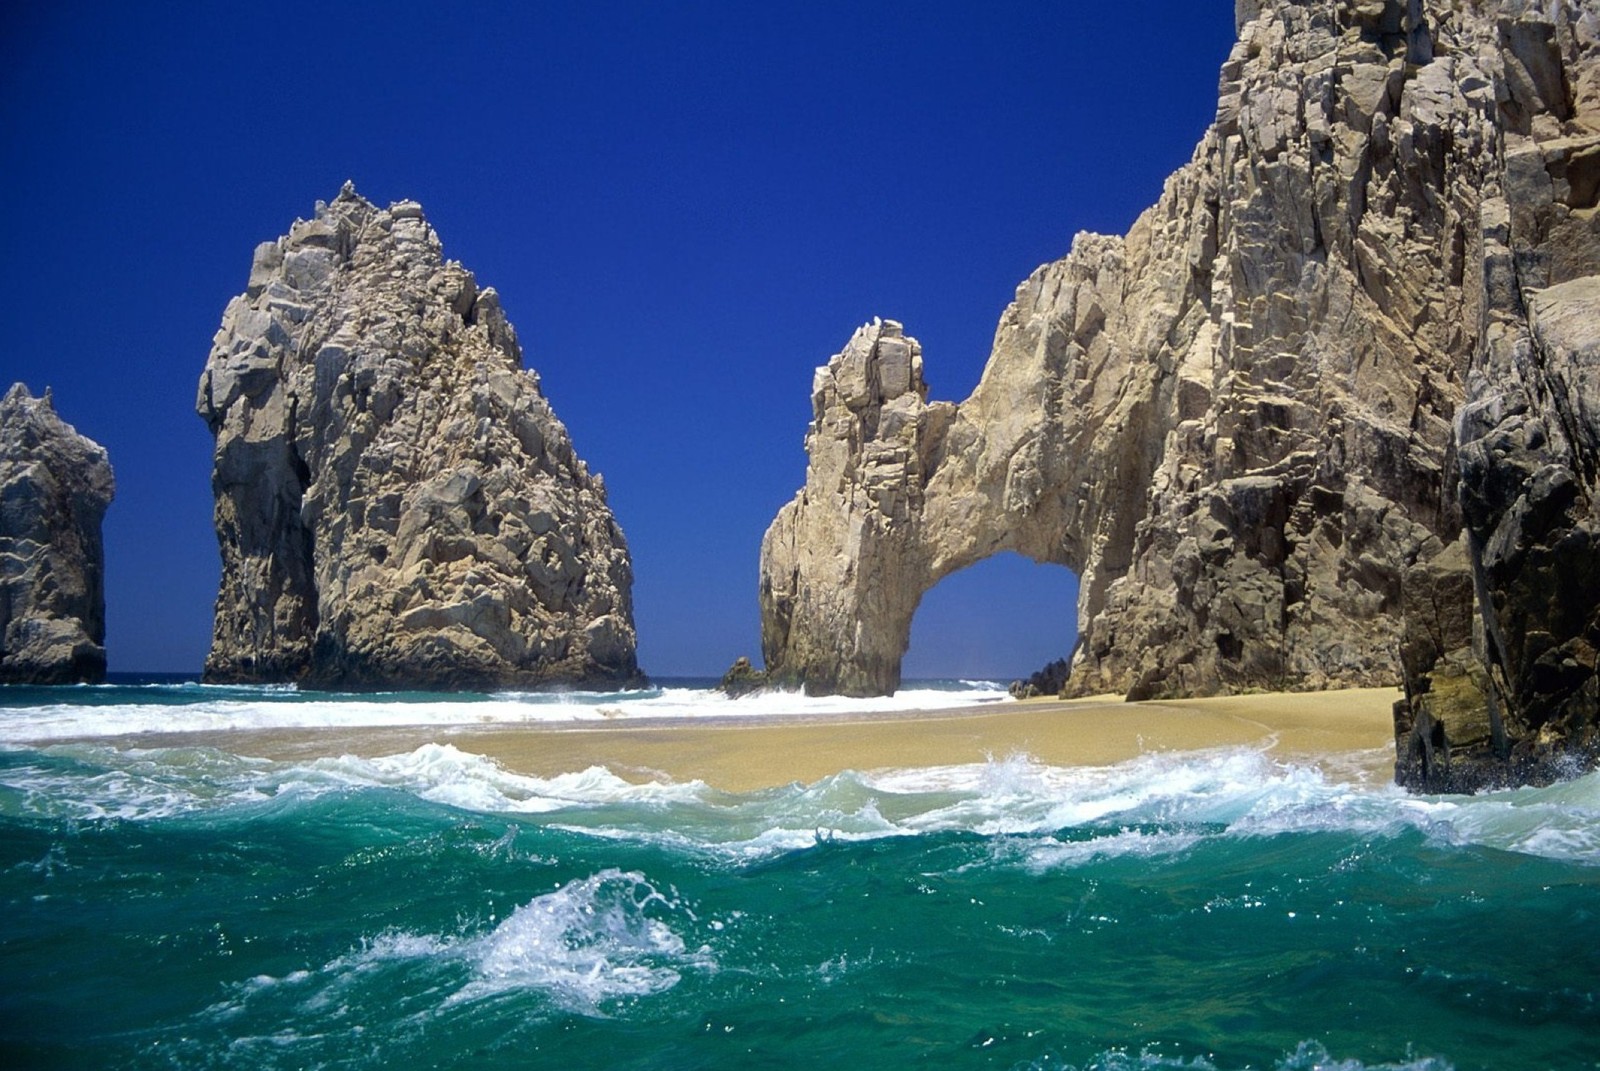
{"points": [[55, 486], [1248, 421], [396, 503]]}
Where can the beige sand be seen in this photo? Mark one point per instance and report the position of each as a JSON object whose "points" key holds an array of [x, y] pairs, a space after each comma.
{"points": [[1354, 725]]}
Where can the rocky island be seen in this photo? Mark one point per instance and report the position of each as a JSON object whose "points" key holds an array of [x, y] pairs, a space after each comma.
{"points": [[55, 486], [1326, 416], [396, 503]]}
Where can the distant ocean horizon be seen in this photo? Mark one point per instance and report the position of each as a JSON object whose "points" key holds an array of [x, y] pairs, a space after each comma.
{"points": [[1212, 910]]}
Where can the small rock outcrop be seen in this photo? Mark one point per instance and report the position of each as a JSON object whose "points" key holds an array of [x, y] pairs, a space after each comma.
{"points": [[743, 679], [396, 503], [1045, 682], [55, 486], [1354, 331]]}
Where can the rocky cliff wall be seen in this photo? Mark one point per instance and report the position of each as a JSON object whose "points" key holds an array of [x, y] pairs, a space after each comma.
{"points": [[396, 503], [1249, 420], [55, 486]]}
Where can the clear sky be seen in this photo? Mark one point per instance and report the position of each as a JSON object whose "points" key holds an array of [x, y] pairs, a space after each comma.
{"points": [[685, 207]]}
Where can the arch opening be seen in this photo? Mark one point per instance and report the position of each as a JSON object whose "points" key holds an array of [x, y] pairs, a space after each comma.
{"points": [[1002, 618]]}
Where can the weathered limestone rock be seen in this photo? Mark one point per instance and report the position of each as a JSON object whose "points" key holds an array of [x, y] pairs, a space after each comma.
{"points": [[1238, 423], [1233, 423], [55, 486], [396, 503], [840, 582]]}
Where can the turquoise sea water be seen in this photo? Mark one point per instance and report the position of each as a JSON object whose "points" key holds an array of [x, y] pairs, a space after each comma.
{"points": [[194, 908]]}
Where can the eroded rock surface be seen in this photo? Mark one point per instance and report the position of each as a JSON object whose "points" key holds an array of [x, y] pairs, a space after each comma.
{"points": [[1501, 652], [55, 486], [396, 503], [1239, 422]]}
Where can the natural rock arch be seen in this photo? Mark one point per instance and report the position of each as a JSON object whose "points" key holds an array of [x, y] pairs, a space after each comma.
{"points": [[1329, 411], [1235, 422], [999, 619], [901, 493]]}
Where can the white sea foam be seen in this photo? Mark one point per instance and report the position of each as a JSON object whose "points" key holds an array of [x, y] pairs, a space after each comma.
{"points": [[1155, 804], [444, 774], [582, 947], [586, 943], [1307, 1056], [98, 781], [1233, 793], [234, 708]]}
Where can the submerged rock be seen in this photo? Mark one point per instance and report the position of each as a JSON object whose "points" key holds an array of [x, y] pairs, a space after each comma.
{"points": [[55, 486], [1353, 330], [396, 503]]}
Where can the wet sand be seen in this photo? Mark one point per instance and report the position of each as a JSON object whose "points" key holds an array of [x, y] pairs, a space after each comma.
{"points": [[745, 754]]}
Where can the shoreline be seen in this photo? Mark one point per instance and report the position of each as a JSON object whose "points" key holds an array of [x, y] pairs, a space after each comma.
{"points": [[749, 753]]}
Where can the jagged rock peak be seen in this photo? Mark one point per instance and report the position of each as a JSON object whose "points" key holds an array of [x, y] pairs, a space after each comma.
{"points": [[55, 486], [1248, 420], [396, 503], [871, 436]]}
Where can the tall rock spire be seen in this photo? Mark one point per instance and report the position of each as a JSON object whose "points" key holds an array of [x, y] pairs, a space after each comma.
{"points": [[55, 486], [396, 504]]}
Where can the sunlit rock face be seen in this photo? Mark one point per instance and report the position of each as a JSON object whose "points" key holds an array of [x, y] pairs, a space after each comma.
{"points": [[1248, 420], [396, 504], [55, 486]]}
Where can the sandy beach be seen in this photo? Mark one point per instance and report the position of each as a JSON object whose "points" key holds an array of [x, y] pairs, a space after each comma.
{"points": [[748, 754]]}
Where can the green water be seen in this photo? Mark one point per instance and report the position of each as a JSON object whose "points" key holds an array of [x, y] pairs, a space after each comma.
{"points": [[192, 909]]}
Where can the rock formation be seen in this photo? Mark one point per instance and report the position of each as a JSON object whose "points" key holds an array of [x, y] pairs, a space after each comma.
{"points": [[1044, 682], [743, 679], [55, 486], [1501, 641], [396, 503], [1355, 330]]}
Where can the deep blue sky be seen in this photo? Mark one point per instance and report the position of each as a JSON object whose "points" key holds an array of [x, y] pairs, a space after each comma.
{"points": [[685, 208]]}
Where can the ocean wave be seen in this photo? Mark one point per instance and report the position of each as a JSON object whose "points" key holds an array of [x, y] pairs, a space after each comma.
{"points": [[1155, 804], [582, 948], [589, 942], [38, 716], [103, 783], [98, 781]]}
